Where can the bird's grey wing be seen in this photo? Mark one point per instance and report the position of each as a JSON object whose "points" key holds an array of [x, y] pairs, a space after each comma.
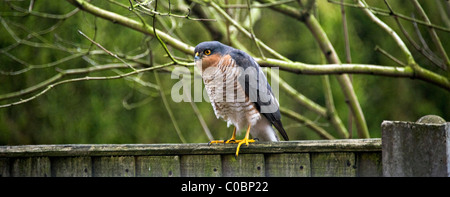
{"points": [[256, 87]]}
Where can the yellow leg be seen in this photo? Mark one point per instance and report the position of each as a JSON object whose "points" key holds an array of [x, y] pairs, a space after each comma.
{"points": [[245, 140], [231, 140], [233, 137]]}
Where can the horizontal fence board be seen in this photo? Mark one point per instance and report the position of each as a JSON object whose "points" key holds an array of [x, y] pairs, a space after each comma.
{"points": [[354, 145]]}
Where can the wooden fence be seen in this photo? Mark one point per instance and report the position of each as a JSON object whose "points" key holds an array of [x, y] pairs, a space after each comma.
{"points": [[354, 157], [408, 149]]}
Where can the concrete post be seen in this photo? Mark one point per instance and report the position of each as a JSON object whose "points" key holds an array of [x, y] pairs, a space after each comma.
{"points": [[416, 148]]}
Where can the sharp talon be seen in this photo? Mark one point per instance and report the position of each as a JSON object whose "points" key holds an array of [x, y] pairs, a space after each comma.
{"points": [[240, 142], [245, 141], [215, 142], [256, 139], [238, 148]]}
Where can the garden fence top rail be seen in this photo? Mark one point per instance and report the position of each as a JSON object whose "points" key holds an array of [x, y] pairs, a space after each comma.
{"points": [[347, 145]]}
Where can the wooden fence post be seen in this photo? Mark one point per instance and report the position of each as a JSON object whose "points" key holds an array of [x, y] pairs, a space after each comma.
{"points": [[416, 148]]}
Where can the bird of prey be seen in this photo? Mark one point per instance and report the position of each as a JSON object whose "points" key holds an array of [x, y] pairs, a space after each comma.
{"points": [[239, 93]]}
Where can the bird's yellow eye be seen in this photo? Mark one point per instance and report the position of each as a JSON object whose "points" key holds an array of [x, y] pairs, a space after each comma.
{"points": [[207, 52]]}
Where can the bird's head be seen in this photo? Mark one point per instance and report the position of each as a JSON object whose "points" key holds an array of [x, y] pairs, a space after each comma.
{"points": [[209, 53]]}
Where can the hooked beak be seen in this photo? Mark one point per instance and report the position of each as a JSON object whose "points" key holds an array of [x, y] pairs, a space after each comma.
{"points": [[196, 57]]}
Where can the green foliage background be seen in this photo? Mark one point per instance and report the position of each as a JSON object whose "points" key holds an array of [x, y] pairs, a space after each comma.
{"points": [[93, 111]]}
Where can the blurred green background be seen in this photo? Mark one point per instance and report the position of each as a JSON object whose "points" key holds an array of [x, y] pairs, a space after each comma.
{"points": [[100, 112]]}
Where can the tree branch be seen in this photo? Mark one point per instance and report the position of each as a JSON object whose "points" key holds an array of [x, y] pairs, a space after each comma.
{"points": [[138, 26], [48, 84], [434, 37], [331, 109], [247, 33], [295, 67], [390, 71], [382, 12], [392, 33], [330, 54], [310, 124]]}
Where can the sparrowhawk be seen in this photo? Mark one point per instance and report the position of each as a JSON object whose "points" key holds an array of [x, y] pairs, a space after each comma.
{"points": [[239, 92]]}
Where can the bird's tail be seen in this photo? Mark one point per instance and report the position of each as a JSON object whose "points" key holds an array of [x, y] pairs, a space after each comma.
{"points": [[280, 129]]}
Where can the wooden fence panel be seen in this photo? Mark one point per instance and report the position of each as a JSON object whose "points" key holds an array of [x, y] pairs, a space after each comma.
{"points": [[120, 166], [31, 167], [339, 164], [369, 164], [425, 145], [71, 167], [288, 165], [360, 157], [201, 166], [5, 167], [158, 166], [246, 165]]}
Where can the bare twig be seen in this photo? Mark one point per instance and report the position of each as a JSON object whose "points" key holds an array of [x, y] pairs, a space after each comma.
{"points": [[106, 50], [377, 48], [426, 51], [308, 123], [29, 67], [159, 39], [201, 120], [392, 33], [169, 110], [245, 6], [348, 55], [383, 12], [244, 31], [169, 14], [297, 96], [434, 36], [443, 12], [29, 11], [422, 51], [48, 84], [331, 109], [251, 29], [139, 26], [348, 60]]}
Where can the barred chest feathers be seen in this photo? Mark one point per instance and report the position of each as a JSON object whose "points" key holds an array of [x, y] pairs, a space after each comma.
{"points": [[228, 97]]}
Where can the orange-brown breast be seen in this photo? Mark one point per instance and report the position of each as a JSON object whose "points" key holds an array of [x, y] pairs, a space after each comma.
{"points": [[209, 61], [217, 60]]}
